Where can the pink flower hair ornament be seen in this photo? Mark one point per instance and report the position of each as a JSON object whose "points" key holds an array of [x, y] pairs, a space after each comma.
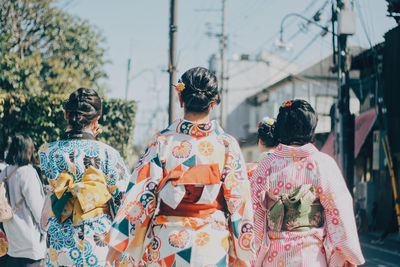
{"points": [[266, 121], [287, 104]]}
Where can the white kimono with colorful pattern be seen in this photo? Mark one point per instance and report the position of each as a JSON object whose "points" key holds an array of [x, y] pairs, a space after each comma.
{"points": [[331, 245], [181, 151]]}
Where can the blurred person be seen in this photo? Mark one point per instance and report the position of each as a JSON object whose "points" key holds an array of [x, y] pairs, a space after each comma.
{"points": [[303, 210], [88, 179], [3, 237], [391, 227], [3, 163], [26, 246], [189, 202], [266, 143]]}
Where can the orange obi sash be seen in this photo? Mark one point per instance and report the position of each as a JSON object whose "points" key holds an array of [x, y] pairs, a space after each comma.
{"points": [[196, 182]]}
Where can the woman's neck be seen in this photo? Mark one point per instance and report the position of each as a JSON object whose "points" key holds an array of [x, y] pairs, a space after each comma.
{"points": [[88, 130], [267, 149], [197, 117]]}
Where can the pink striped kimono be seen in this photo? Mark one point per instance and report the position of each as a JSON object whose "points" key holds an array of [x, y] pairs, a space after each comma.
{"points": [[331, 245]]}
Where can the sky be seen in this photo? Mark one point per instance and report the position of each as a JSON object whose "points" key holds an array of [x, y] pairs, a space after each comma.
{"points": [[138, 29]]}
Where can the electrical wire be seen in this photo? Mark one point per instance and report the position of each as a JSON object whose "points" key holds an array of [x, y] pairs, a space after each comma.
{"points": [[282, 69], [290, 38], [361, 16], [288, 24], [267, 81], [246, 11], [301, 52], [192, 43]]}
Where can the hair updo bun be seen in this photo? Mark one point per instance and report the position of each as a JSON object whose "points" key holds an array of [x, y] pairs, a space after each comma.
{"points": [[201, 90], [82, 107], [266, 134], [296, 123]]}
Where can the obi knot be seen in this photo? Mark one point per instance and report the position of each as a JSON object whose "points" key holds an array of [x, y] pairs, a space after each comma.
{"points": [[80, 200], [297, 211]]}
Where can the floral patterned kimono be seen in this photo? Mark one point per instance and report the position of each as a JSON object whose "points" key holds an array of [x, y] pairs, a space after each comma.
{"points": [[3, 242], [294, 181], [189, 201], [79, 240]]}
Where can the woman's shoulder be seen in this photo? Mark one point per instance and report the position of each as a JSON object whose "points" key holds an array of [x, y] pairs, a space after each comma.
{"points": [[26, 169], [325, 164], [227, 139], [103, 145], [95, 147], [46, 146], [73, 144], [26, 173], [323, 158], [108, 149]]}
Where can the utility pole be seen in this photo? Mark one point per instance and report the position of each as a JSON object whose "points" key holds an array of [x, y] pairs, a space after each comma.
{"points": [[128, 71], [172, 59], [222, 49], [222, 41], [344, 128]]}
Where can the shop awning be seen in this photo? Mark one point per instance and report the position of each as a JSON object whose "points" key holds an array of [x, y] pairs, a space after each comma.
{"points": [[329, 146], [363, 125]]}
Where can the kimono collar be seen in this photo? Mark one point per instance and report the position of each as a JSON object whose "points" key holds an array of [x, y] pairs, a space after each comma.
{"points": [[197, 130], [78, 135], [264, 155], [285, 151]]}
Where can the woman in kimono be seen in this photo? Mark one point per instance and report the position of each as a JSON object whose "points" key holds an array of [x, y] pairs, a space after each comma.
{"points": [[189, 198], [303, 209], [88, 180], [266, 143]]}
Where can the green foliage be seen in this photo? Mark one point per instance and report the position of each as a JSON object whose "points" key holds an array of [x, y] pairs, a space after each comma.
{"points": [[41, 116], [117, 125], [20, 74], [44, 48]]}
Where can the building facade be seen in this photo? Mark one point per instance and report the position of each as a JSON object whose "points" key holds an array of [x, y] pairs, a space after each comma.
{"points": [[315, 84]]}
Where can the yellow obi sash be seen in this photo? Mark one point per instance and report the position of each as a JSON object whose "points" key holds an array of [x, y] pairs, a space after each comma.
{"points": [[82, 200]]}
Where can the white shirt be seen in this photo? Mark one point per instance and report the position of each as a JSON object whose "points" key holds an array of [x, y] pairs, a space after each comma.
{"points": [[22, 231], [3, 165]]}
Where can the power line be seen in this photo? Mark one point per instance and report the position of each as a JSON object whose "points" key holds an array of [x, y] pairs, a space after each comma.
{"points": [[282, 69], [304, 49], [222, 36], [294, 36], [363, 23], [267, 81], [290, 23]]}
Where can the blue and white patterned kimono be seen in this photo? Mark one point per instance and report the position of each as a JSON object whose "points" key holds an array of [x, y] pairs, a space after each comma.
{"points": [[82, 245]]}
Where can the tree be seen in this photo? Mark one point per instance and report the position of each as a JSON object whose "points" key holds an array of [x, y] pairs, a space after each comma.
{"points": [[41, 116], [44, 48]]}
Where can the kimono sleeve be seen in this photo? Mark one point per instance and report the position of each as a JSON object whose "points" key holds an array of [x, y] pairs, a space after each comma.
{"points": [[117, 176], [128, 231], [237, 195], [341, 242], [48, 166], [259, 185]]}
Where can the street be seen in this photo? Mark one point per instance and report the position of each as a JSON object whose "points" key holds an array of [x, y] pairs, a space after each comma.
{"points": [[385, 255]]}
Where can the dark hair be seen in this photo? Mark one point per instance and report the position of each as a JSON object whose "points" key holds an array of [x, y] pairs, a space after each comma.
{"points": [[296, 122], [201, 90], [266, 134], [82, 107], [21, 151]]}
